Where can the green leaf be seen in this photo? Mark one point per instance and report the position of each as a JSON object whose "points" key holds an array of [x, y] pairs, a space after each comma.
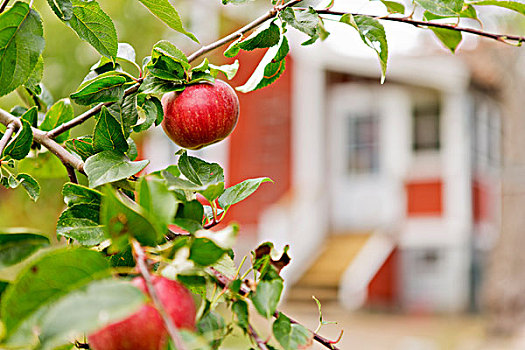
{"points": [[393, 6], [224, 238], [33, 86], [29, 184], [49, 277], [81, 223], [122, 217], [511, 5], [290, 336], [87, 309], [44, 166], [111, 166], [83, 146], [241, 191], [78, 194], [200, 172], [20, 145], [204, 252], [269, 69], [442, 7], [306, 21], [108, 134], [102, 89], [189, 216], [166, 13], [373, 35], [168, 62], [150, 110], [21, 45], [268, 35], [60, 113], [62, 8], [158, 201], [267, 296], [240, 309], [31, 116], [450, 38], [94, 26], [17, 244], [158, 87], [213, 328], [126, 112]]}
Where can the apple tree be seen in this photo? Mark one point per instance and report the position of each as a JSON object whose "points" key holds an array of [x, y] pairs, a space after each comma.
{"points": [[139, 261]]}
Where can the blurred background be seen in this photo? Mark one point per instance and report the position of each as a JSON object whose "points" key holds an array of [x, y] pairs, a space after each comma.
{"points": [[402, 203]]}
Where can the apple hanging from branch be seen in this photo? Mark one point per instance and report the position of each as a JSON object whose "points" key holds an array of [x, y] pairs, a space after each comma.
{"points": [[201, 115], [145, 328]]}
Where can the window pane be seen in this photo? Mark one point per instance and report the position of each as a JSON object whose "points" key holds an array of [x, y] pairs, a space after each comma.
{"points": [[362, 146], [426, 118]]}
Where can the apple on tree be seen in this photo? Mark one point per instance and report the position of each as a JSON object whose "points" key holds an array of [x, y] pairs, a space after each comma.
{"points": [[201, 115], [145, 328]]}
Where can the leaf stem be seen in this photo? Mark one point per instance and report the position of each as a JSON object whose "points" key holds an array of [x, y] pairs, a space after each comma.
{"points": [[7, 136], [424, 24], [170, 326]]}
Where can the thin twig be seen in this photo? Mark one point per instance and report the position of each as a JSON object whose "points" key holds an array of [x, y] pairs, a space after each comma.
{"points": [[4, 5], [260, 343], [71, 173], [239, 33], [7, 136], [419, 24], [224, 281], [172, 330]]}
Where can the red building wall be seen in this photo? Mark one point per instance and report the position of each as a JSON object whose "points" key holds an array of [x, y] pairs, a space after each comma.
{"points": [[424, 197], [261, 143]]}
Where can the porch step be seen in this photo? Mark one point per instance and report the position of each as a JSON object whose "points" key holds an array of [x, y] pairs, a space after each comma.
{"points": [[338, 252], [322, 278]]}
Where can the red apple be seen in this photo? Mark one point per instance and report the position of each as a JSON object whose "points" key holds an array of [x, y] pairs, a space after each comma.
{"points": [[145, 329], [200, 115]]}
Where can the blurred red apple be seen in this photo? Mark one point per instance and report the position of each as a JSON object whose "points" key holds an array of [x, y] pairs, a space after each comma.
{"points": [[145, 329], [200, 115]]}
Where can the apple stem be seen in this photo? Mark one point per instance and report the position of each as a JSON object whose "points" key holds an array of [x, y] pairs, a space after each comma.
{"points": [[143, 268]]}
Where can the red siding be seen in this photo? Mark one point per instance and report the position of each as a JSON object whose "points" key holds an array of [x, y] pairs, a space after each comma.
{"points": [[480, 199], [260, 144], [424, 198], [382, 290]]}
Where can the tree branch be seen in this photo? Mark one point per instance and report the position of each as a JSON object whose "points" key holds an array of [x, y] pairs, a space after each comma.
{"points": [[421, 24], [170, 326], [86, 115], [4, 5], [224, 281], [41, 137], [7, 136]]}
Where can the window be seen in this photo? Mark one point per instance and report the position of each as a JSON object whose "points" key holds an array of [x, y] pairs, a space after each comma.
{"points": [[426, 124], [363, 152]]}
